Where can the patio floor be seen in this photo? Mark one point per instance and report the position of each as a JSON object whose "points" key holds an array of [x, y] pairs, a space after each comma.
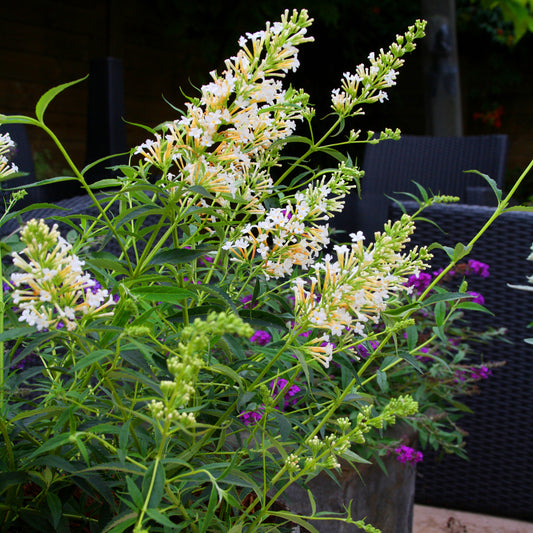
{"points": [[433, 520]]}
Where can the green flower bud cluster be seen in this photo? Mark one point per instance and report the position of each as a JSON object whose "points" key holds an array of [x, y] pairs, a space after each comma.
{"points": [[292, 463], [324, 452], [196, 337], [387, 134], [138, 331], [186, 364], [402, 406]]}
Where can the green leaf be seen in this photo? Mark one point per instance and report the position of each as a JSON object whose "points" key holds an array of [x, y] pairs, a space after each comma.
{"points": [[493, 185], [225, 371], [210, 511], [352, 457], [9, 479], [135, 493], [16, 333], [219, 293], [439, 331], [422, 190], [107, 261], [48, 96], [474, 307], [232, 347], [160, 518], [106, 183], [406, 356], [284, 425], [339, 156], [412, 337], [198, 189], [121, 523], [296, 519], [312, 501], [48, 181], [382, 380], [51, 444], [460, 251], [153, 485], [123, 438], [18, 119], [519, 208], [56, 509], [177, 256], [444, 297], [93, 357], [83, 449], [257, 317], [440, 313], [155, 293]]}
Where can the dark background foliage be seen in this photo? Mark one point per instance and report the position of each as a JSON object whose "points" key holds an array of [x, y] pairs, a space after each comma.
{"points": [[169, 46]]}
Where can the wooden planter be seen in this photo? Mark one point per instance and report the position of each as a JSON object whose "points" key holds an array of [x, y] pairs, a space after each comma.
{"points": [[384, 500]]}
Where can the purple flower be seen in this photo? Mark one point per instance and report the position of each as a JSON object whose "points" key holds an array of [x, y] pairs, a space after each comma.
{"points": [[476, 297], [278, 385], [423, 358], [420, 283], [261, 337], [246, 301], [406, 454], [363, 350], [28, 361], [482, 372], [478, 268], [250, 418], [460, 375], [205, 260]]}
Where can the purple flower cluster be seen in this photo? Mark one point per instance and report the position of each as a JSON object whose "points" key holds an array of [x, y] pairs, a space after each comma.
{"points": [[261, 337], [475, 373], [478, 268], [419, 282], [26, 362], [251, 418], [289, 396], [277, 386], [424, 358], [406, 454], [246, 301], [363, 351], [476, 297], [482, 372]]}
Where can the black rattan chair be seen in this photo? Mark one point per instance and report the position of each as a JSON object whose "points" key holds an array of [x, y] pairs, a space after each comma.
{"points": [[437, 163], [497, 478]]}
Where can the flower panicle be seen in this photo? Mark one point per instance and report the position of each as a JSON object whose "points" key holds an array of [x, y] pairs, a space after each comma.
{"points": [[7, 146], [352, 289], [227, 137], [368, 83], [51, 288]]}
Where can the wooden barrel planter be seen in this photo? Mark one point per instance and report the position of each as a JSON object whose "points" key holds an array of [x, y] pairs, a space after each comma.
{"points": [[384, 500]]}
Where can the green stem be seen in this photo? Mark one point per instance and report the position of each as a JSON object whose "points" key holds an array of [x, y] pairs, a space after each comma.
{"points": [[88, 190], [9, 446], [310, 150]]}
